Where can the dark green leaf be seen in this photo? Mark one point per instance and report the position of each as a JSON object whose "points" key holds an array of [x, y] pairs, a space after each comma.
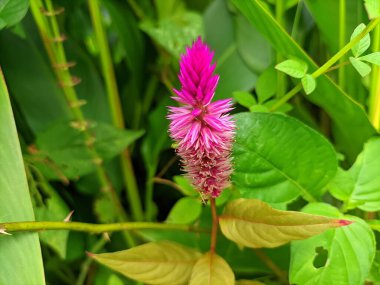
{"points": [[12, 12], [277, 158]]}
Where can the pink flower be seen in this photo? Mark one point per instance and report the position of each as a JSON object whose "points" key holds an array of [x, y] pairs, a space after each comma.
{"points": [[202, 129]]}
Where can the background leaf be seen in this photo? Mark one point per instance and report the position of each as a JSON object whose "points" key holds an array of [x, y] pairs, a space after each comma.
{"points": [[277, 158], [22, 250], [12, 11], [359, 186], [253, 223], [211, 269]]}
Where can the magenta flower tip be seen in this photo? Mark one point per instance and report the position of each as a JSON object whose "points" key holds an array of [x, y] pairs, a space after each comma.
{"points": [[202, 129]]}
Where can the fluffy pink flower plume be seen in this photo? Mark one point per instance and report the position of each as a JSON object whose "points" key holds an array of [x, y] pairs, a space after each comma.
{"points": [[202, 129]]}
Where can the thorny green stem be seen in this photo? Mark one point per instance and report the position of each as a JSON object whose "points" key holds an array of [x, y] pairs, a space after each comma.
{"points": [[325, 67], [52, 40], [115, 106], [92, 228]]}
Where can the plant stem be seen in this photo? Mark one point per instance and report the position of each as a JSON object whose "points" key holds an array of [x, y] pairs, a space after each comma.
{"points": [[272, 266], [281, 83], [168, 183], [325, 67], [374, 97], [214, 229], [342, 40], [52, 40], [115, 106], [92, 228]]}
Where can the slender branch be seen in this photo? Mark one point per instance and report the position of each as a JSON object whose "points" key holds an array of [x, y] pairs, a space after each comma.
{"points": [[92, 228], [281, 275], [325, 67], [168, 183], [214, 229], [342, 40], [115, 106]]}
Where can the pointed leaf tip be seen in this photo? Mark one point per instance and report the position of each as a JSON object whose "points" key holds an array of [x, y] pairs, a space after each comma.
{"points": [[342, 223]]}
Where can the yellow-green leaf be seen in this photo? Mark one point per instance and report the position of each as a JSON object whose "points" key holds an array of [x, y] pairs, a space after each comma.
{"points": [[211, 269], [255, 224], [161, 262]]}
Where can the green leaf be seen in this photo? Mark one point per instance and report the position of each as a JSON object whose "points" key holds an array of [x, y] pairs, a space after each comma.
{"points": [[255, 224], [344, 254], [176, 32], [373, 58], [340, 107], [54, 209], [277, 158], [161, 262], [363, 44], [245, 99], [308, 83], [12, 12], [361, 67], [266, 85], [67, 146], [19, 250], [185, 211], [359, 186], [211, 269], [373, 8], [293, 67]]}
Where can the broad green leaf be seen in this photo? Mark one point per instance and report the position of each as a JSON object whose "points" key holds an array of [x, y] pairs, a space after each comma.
{"points": [[162, 262], [253, 223], [12, 12], [211, 269], [245, 99], [363, 44], [374, 275], [339, 106], [359, 186], [220, 35], [54, 209], [176, 32], [20, 257], [185, 211], [266, 85], [373, 58], [293, 67], [308, 83], [277, 158], [363, 68], [373, 8], [68, 148], [344, 254]]}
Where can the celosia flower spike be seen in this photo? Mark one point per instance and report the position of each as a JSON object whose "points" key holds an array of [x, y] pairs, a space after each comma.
{"points": [[203, 130]]}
